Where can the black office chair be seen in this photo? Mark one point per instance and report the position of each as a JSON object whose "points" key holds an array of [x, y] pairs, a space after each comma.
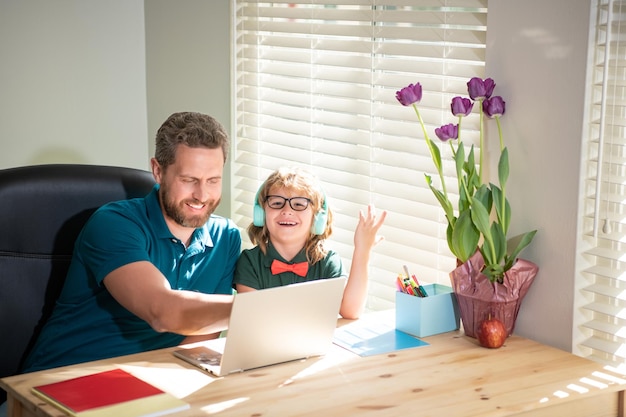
{"points": [[42, 210]]}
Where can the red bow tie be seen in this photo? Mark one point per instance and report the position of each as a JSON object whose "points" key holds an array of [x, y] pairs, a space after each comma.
{"points": [[279, 267]]}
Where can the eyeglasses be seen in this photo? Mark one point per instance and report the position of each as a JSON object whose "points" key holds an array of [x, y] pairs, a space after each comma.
{"points": [[296, 203]]}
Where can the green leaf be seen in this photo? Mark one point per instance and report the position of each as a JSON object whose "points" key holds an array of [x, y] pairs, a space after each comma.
{"points": [[494, 272], [483, 194], [459, 159], [435, 154], [443, 201], [449, 231], [470, 166], [464, 237], [464, 197], [507, 216], [496, 193], [503, 218], [480, 217], [503, 168], [464, 191], [488, 252], [522, 241], [470, 160], [473, 180], [499, 242]]}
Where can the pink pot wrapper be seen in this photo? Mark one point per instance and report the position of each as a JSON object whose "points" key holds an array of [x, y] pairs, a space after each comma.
{"points": [[479, 298]]}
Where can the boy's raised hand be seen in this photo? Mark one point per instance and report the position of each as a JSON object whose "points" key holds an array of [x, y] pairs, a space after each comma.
{"points": [[366, 231]]}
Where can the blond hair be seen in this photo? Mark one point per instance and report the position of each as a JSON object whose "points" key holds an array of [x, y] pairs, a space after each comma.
{"points": [[306, 185]]}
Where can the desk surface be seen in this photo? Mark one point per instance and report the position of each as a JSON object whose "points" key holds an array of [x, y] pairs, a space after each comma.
{"points": [[453, 376]]}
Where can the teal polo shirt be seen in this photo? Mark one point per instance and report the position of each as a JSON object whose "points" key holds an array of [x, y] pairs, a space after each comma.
{"points": [[253, 268], [88, 323]]}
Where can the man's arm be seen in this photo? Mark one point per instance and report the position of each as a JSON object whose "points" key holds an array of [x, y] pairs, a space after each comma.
{"points": [[143, 290]]}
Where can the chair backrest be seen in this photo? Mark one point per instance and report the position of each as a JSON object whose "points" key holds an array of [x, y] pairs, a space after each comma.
{"points": [[42, 210]]}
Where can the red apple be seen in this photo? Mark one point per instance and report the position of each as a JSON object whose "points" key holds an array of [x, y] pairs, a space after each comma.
{"points": [[492, 333]]}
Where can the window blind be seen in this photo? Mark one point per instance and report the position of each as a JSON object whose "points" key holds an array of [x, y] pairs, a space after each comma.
{"points": [[603, 293], [315, 85]]}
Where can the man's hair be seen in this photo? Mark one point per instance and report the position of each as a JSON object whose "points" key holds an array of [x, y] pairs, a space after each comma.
{"points": [[306, 185], [195, 130]]}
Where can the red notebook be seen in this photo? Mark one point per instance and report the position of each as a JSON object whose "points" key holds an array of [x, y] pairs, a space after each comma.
{"points": [[107, 393]]}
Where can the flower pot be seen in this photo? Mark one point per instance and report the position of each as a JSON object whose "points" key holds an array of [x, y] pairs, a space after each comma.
{"points": [[478, 298]]}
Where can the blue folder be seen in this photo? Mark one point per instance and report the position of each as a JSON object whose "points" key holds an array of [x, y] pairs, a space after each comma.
{"points": [[370, 337]]}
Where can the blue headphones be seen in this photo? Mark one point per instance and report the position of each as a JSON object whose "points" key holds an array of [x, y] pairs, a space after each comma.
{"points": [[319, 221]]}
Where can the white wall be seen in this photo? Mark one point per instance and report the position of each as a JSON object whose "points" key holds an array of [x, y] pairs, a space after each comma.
{"points": [[72, 82], [537, 54], [90, 81], [188, 65]]}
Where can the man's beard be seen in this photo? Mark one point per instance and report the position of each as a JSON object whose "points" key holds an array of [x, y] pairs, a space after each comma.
{"points": [[176, 210]]}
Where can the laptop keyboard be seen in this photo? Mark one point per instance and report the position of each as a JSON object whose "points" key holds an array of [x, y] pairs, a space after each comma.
{"points": [[209, 358]]}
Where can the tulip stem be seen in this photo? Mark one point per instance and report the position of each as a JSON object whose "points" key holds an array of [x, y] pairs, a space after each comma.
{"points": [[482, 142], [505, 225], [500, 133], [433, 152]]}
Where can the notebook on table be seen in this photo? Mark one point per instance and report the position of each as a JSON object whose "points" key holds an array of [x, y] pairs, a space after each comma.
{"points": [[272, 326], [109, 393]]}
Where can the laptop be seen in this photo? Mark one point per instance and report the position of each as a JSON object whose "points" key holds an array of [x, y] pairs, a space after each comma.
{"points": [[272, 326]]}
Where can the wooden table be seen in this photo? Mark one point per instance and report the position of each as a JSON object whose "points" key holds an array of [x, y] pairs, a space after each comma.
{"points": [[453, 376]]}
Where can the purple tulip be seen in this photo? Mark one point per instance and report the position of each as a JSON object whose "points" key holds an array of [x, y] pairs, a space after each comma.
{"points": [[461, 106], [446, 132], [493, 106], [479, 89], [410, 94]]}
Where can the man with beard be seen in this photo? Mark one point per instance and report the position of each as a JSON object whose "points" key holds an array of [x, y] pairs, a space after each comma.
{"points": [[151, 272]]}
